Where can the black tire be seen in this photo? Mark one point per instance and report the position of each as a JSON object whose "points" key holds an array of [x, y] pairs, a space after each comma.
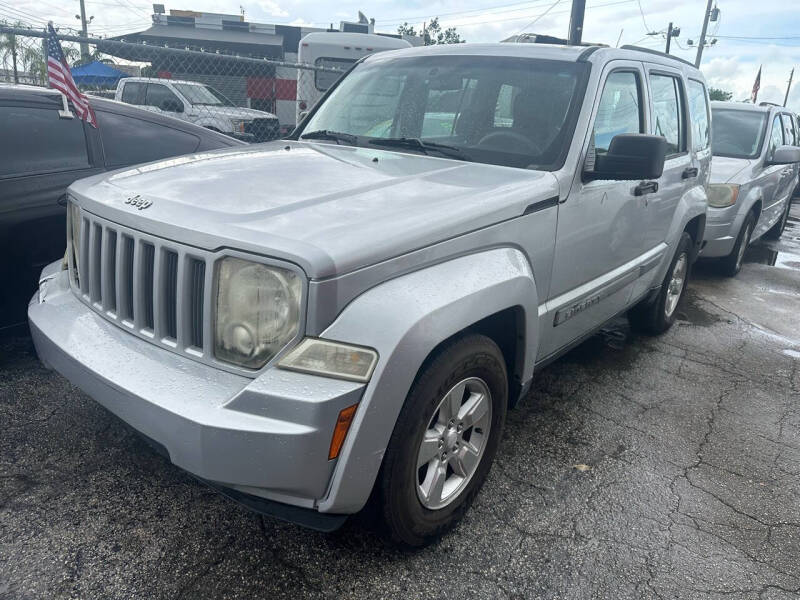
{"points": [[732, 264], [776, 231], [652, 317], [407, 520]]}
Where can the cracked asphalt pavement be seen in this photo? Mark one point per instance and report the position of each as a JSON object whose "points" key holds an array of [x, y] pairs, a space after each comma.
{"points": [[636, 468]]}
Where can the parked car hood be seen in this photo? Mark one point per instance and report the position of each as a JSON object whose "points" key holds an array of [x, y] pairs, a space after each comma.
{"points": [[233, 112], [330, 209], [725, 170]]}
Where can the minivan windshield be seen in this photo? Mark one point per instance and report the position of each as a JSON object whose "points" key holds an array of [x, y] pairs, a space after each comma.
{"points": [[737, 133], [517, 112], [202, 94]]}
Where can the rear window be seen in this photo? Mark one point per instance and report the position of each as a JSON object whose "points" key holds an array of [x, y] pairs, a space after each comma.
{"points": [[737, 133], [42, 142], [133, 92], [323, 79], [129, 141]]}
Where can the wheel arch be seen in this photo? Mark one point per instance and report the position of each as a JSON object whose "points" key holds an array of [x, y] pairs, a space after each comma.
{"points": [[485, 292]]}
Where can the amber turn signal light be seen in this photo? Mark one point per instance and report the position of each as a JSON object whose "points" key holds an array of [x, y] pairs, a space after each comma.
{"points": [[340, 431]]}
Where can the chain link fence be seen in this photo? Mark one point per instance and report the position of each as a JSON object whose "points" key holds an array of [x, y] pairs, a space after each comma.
{"points": [[254, 99]]}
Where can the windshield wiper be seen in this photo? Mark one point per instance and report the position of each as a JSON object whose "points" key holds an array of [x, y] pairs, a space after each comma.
{"points": [[418, 144], [324, 134]]}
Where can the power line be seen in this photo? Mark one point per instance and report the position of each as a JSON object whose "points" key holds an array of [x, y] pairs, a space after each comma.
{"points": [[641, 12], [487, 10], [536, 20]]}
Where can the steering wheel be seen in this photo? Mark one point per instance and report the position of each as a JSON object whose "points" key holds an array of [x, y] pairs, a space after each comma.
{"points": [[510, 140]]}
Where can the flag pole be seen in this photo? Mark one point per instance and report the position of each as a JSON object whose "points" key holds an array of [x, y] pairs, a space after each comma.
{"points": [[788, 87]]}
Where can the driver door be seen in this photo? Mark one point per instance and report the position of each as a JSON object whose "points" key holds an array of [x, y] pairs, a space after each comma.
{"points": [[600, 236]]}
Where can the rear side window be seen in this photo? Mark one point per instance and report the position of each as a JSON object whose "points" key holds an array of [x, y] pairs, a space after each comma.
{"points": [[789, 131], [157, 94], [133, 92], [668, 111], [129, 141], [775, 137], [36, 140], [698, 109], [620, 109]]}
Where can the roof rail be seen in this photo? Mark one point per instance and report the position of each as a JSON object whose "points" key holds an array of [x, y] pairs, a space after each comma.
{"points": [[656, 53], [770, 104]]}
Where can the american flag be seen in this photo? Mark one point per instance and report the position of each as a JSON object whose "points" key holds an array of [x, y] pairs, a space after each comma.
{"points": [[756, 87], [60, 78]]}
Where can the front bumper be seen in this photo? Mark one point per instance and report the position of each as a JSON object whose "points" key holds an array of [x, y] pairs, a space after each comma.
{"points": [[265, 438], [722, 228]]}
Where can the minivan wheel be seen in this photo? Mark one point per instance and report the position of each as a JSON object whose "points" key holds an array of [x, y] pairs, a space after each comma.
{"points": [[732, 264], [658, 315], [776, 231], [444, 441]]}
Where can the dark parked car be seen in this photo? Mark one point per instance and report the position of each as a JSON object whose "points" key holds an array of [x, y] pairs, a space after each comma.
{"points": [[42, 151]]}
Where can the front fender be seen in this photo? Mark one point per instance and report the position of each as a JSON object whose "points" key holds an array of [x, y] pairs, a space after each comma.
{"points": [[404, 319]]}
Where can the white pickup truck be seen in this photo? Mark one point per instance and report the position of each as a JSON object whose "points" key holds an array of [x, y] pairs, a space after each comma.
{"points": [[200, 104]]}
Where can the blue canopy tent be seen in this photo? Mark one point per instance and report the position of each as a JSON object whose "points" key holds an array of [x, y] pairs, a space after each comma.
{"points": [[97, 74]]}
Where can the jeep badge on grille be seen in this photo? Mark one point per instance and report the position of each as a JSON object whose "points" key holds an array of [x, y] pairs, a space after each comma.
{"points": [[138, 202]]}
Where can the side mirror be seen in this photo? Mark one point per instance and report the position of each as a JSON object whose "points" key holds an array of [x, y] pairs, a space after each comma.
{"points": [[171, 105], [784, 155], [630, 157]]}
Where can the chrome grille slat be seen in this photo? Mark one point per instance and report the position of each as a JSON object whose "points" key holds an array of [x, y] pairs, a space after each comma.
{"points": [[156, 289]]}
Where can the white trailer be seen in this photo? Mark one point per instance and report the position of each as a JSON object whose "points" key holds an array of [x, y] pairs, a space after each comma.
{"points": [[334, 50]]}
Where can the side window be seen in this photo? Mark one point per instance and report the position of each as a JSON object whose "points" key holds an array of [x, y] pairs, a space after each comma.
{"points": [[133, 92], [504, 108], [157, 94], [128, 141], [775, 136], [789, 133], [42, 142], [325, 79], [620, 109], [668, 111], [698, 108]]}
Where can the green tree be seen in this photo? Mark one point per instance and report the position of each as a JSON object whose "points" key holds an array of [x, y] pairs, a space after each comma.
{"points": [[718, 94], [433, 33]]}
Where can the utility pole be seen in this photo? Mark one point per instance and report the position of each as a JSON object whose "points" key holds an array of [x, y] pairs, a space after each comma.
{"points": [[14, 56], [576, 22], [788, 87], [84, 33], [703, 35], [669, 36]]}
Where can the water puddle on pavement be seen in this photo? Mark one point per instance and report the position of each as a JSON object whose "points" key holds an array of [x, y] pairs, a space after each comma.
{"points": [[783, 253]]}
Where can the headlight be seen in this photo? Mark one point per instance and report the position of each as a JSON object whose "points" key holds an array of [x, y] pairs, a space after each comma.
{"points": [[257, 313], [720, 196], [331, 359], [238, 125]]}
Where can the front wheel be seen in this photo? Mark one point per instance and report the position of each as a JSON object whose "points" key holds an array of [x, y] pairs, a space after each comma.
{"points": [[658, 315], [444, 441], [732, 264]]}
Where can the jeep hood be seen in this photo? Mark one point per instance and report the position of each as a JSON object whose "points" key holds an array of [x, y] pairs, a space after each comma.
{"points": [[725, 170], [330, 209]]}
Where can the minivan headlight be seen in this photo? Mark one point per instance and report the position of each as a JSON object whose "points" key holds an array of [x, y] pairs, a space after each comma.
{"points": [[720, 196], [257, 311]]}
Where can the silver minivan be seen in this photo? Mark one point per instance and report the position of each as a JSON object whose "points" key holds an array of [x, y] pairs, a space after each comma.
{"points": [[348, 314], [753, 176]]}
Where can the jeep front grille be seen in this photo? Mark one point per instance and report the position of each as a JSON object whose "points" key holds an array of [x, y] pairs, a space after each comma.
{"points": [[155, 288]]}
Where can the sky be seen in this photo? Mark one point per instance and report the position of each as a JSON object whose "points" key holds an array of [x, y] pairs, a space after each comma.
{"points": [[749, 33]]}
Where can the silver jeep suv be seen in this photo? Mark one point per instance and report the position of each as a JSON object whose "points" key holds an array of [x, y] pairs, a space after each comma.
{"points": [[353, 310]]}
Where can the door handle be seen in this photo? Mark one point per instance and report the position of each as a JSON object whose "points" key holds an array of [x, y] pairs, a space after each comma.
{"points": [[645, 187], [62, 200], [689, 172]]}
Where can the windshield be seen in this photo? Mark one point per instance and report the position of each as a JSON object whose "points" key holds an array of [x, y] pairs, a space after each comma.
{"points": [[202, 94], [737, 133], [516, 112]]}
